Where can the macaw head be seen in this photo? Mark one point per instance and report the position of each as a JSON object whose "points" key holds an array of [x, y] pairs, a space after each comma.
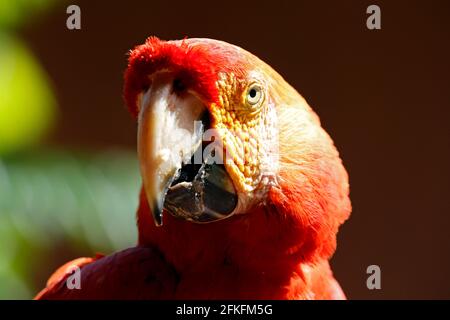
{"points": [[222, 135]]}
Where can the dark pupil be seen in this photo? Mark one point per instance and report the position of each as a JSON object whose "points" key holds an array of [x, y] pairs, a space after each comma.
{"points": [[252, 93]]}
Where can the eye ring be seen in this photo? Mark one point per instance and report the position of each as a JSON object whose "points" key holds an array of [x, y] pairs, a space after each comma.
{"points": [[254, 95]]}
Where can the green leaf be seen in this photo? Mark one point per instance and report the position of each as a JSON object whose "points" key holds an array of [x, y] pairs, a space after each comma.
{"points": [[27, 104], [16, 12]]}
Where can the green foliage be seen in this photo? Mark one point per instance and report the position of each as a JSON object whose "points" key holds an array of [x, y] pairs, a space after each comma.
{"points": [[27, 104], [15, 12], [54, 205], [56, 199]]}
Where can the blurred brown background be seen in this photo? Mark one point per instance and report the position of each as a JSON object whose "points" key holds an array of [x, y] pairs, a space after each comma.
{"points": [[382, 95]]}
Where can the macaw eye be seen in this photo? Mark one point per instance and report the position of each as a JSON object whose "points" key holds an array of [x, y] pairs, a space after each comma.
{"points": [[254, 94]]}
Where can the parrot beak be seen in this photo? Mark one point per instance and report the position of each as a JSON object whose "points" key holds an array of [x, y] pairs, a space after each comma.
{"points": [[170, 131], [165, 138]]}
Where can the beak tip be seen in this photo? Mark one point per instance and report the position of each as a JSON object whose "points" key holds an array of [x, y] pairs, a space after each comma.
{"points": [[157, 214]]}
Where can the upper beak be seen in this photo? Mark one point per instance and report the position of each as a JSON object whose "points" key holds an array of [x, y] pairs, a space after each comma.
{"points": [[167, 137]]}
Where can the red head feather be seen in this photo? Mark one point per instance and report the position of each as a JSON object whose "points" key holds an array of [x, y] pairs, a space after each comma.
{"points": [[197, 62]]}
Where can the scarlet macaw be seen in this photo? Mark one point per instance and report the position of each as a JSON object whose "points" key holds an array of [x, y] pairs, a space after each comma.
{"points": [[260, 225]]}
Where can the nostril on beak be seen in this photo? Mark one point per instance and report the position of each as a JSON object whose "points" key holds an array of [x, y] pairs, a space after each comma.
{"points": [[178, 86]]}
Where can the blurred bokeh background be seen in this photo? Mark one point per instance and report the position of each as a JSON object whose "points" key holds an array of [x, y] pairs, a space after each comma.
{"points": [[68, 171], [59, 198]]}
